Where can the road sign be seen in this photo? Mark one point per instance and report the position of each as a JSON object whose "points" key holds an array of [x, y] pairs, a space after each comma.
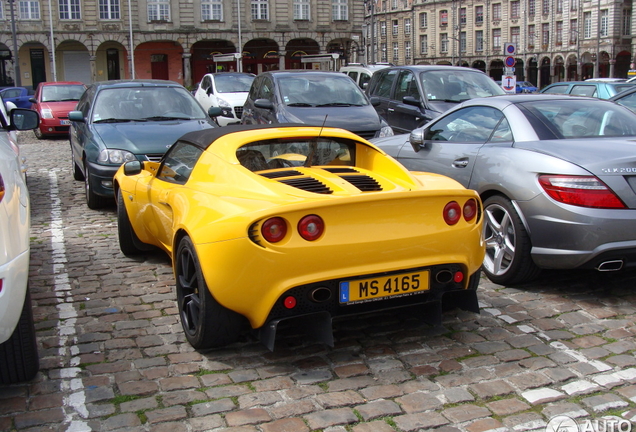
{"points": [[509, 49], [509, 83], [510, 61]]}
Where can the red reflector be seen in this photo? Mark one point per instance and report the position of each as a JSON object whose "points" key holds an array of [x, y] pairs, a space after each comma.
{"points": [[470, 210], [582, 191], [459, 276], [274, 229], [290, 302], [311, 227], [452, 213], [1, 285]]}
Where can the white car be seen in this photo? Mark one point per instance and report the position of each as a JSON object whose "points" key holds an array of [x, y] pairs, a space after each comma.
{"points": [[226, 90], [18, 349]]}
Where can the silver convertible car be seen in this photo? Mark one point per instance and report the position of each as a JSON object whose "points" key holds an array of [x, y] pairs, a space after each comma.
{"points": [[556, 173]]}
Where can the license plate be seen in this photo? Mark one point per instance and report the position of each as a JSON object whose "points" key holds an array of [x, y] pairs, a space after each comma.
{"points": [[65, 122], [397, 285]]}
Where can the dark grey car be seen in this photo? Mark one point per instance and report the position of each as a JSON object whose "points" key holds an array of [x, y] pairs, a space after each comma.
{"points": [[409, 96], [556, 173], [314, 98]]}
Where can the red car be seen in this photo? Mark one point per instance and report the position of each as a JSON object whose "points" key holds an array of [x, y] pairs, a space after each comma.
{"points": [[53, 101]]}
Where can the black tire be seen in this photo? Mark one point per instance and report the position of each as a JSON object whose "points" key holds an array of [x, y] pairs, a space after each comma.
{"points": [[77, 172], [206, 323], [508, 260], [93, 201], [129, 243], [19, 360], [38, 133]]}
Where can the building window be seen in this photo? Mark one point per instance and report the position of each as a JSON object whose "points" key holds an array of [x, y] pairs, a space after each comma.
{"points": [[559, 6], [558, 37], [301, 10], [626, 28], [604, 23], [109, 9], [423, 44], [423, 20], [515, 35], [496, 11], [443, 42], [531, 36], [462, 42], [211, 10], [407, 49], [407, 26], [587, 25], [545, 7], [514, 9], [383, 54], [396, 28], [260, 10], [383, 29], [574, 32], [394, 4], [70, 10], [496, 39], [443, 17], [29, 10], [574, 5], [479, 40], [479, 15], [1, 11], [158, 10], [532, 7], [339, 10], [545, 34], [462, 16], [396, 52]]}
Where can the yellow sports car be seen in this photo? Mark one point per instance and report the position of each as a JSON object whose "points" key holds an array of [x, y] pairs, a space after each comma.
{"points": [[296, 222]]}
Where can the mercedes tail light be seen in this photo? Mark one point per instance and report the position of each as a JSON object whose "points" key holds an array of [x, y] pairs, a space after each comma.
{"points": [[583, 191]]}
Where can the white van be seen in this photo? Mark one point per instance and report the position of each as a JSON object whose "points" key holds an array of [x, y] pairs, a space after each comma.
{"points": [[362, 73]]}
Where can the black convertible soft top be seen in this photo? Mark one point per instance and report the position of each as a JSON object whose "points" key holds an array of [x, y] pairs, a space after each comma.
{"points": [[204, 138]]}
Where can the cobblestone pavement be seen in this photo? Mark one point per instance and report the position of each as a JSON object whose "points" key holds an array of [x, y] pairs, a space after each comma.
{"points": [[113, 356]]}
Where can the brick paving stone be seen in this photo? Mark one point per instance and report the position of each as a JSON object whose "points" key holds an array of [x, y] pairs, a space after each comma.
{"points": [[480, 361], [351, 370], [139, 405], [604, 402], [381, 392], [463, 413], [564, 408], [417, 402], [285, 425], [491, 347], [486, 390], [206, 423], [376, 409], [558, 374], [138, 388], [292, 408], [181, 397], [121, 421], [178, 383], [580, 387], [166, 414], [37, 418], [213, 407], [542, 395], [525, 421], [351, 383], [339, 399], [530, 380], [170, 427], [259, 399], [487, 424], [374, 426], [505, 407], [512, 355], [419, 421], [247, 417], [458, 395], [324, 419], [628, 392]]}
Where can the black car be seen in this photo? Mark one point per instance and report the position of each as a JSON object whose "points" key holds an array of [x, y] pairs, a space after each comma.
{"points": [[409, 96], [315, 98], [125, 120]]}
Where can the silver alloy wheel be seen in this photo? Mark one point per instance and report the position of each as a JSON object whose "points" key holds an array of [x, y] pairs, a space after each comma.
{"points": [[500, 238]]}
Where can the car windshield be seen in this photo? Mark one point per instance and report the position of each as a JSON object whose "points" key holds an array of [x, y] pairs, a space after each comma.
{"points": [[296, 152], [578, 118], [233, 83], [322, 90], [62, 92], [146, 104], [457, 86]]}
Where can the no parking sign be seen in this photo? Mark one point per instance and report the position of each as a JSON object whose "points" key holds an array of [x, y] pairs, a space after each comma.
{"points": [[509, 83]]}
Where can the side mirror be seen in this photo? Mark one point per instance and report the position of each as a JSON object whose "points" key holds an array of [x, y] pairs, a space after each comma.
{"points": [[132, 168], [24, 119], [416, 138], [209, 91], [76, 116], [33, 100], [410, 100], [264, 103], [375, 101], [214, 111]]}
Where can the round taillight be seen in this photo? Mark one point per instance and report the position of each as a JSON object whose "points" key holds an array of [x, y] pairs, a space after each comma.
{"points": [[290, 302], [452, 213], [274, 229], [458, 277], [311, 227], [470, 210]]}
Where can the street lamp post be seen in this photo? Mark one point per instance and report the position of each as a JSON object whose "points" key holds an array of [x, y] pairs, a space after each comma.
{"points": [[16, 61]]}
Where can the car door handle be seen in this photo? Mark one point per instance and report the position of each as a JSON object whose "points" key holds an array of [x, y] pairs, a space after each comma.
{"points": [[390, 110], [460, 163]]}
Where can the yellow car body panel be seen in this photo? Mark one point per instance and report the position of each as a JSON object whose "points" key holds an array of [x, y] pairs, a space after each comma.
{"points": [[396, 228]]}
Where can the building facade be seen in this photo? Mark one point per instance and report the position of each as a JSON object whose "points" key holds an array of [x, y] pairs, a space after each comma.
{"points": [[554, 40], [180, 40]]}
